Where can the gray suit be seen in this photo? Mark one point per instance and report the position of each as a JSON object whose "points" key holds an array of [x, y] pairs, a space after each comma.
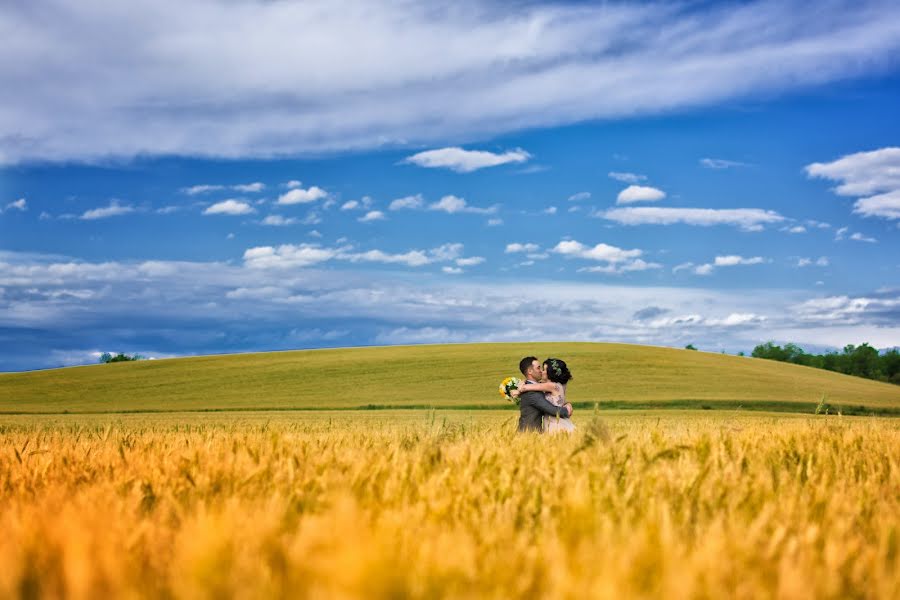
{"points": [[532, 407]]}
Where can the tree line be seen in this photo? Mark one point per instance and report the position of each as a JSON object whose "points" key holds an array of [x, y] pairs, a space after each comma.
{"points": [[861, 361]]}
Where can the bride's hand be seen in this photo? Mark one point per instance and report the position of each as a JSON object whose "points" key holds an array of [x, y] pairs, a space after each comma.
{"points": [[514, 393]]}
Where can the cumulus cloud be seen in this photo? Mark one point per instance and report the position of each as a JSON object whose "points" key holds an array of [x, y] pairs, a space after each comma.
{"points": [[453, 204], [372, 215], [407, 202], [465, 161], [413, 75], [21, 205], [720, 163], [625, 177], [306, 255], [279, 221], [517, 247], [205, 188], [885, 205], [494, 222], [114, 209], [470, 261], [229, 207], [249, 188], [638, 193], [302, 196], [859, 237], [873, 177], [822, 261], [751, 219], [580, 196], [731, 260], [617, 259], [862, 173]]}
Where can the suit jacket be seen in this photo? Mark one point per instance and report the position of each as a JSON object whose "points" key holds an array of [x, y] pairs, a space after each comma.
{"points": [[532, 407]]}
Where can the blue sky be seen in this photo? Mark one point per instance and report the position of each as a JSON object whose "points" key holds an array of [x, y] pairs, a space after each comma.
{"points": [[242, 178]]}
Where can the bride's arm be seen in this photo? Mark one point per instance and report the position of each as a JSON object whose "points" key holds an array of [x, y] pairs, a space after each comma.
{"points": [[547, 386]]}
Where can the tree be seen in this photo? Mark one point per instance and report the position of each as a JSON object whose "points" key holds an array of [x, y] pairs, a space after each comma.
{"points": [[690, 347]]}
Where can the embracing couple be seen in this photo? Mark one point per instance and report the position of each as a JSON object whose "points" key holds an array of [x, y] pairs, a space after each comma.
{"points": [[542, 398]]}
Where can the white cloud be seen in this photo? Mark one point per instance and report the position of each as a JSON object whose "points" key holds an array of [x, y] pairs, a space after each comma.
{"points": [[465, 161], [818, 224], [230, 207], [293, 183], [885, 205], [863, 173], [249, 188], [350, 205], [638, 193], [822, 261], [452, 270], [113, 210], [407, 202], [302, 196], [201, 189], [875, 175], [859, 237], [470, 262], [453, 204], [601, 251], [413, 74], [306, 255], [732, 260], [746, 218], [287, 256], [517, 247], [279, 221], [550, 210], [637, 264], [719, 163], [372, 215], [168, 210], [626, 177], [580, 196], [796, 229], [494, 222], [21, 205], [618, 260], [311, 218]]}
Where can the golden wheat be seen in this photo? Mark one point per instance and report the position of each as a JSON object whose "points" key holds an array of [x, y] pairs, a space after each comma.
{"points": [[378, 507]]}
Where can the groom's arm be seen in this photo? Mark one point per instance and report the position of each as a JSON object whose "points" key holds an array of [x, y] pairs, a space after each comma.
{"points": [[537, 400]]}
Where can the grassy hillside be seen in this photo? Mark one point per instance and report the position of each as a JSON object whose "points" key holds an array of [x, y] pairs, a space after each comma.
{"points": [[466, 375]]}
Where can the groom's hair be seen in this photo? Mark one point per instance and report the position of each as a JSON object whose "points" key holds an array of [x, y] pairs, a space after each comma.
{"points": [[525, 364]]}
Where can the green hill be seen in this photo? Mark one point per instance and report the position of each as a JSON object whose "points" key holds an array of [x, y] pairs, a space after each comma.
{"points": [[446, 376]]}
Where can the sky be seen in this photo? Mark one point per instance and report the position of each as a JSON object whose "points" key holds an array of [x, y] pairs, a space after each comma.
{"points": [[229, 176]]}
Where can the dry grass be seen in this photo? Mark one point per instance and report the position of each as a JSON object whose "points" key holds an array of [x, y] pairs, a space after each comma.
{"points": [[415, 506]]}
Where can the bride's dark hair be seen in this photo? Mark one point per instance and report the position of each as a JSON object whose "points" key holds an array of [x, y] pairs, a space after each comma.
{"points": [[557, 371]]}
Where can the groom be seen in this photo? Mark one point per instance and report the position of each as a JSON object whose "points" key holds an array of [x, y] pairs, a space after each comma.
{"points": [[532, 405]]}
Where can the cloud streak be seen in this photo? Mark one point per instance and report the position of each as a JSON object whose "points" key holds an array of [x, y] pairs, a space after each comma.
{"points": [[751, 219], [174, 82], [465, 161]]}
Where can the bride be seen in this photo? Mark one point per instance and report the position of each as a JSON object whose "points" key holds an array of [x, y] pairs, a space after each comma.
{"points": [[556, 377]]}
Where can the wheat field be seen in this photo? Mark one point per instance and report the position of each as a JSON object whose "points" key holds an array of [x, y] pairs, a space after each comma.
{"points": [[423, 505]]}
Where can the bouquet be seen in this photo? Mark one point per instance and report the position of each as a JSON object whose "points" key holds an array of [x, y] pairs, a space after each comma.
{"points": [[509, 384]]}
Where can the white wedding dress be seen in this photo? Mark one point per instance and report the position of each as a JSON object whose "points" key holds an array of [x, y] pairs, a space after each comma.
{"points": [[554, 425]]}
